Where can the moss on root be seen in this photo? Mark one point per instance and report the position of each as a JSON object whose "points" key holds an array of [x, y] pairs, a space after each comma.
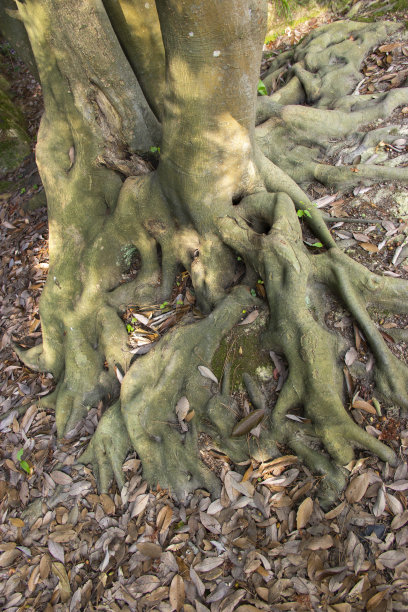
{"points": [[242, 350]]}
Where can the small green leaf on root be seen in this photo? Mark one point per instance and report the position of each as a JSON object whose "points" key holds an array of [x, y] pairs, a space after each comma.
{"points": [[261, 88]]}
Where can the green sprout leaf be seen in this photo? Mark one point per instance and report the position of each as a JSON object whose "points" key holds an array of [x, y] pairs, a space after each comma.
{"points": [[317, 245], [164, 305], [303, 213], [239, 258], [20, 453], [129, 328], [154, 150], [24, 466], [260, 281], [261, 88], [22, 190], [253, 292]]}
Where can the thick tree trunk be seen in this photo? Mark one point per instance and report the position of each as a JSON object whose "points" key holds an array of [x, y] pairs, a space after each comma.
{"points": [[214, 200]]}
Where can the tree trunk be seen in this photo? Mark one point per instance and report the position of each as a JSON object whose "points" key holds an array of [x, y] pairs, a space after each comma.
{"points": [[119, 78]]}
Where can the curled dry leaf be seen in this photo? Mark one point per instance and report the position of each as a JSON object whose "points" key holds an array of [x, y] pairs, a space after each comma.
{"points": [[248, 423], [206, 372], [304, 513], [363, 405]]}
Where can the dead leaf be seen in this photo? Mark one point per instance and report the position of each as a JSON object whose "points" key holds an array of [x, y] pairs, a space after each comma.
{"points": [[65, 590], [304, 513], [118, 373], [198, 583], [394, 505], [248, 423], [358, 557], [389, 47], [320, 543], [107, 504], [357, 488], [164, 518], [392, 558], [61, 478], [34, 578], [210, 522], [336, 511], [177, 593], [182, 408], [361, 237], [399, 521], [363, 405], [379, 506], [56, 550], [206, 372], [368, 246], [140, 504], [350, 356], [209, 564], [250, 318], [45, 567], [149, 549], [376, 599]]}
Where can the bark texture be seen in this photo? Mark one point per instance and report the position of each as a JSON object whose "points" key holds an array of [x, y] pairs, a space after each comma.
{"points": [[184, 76]]}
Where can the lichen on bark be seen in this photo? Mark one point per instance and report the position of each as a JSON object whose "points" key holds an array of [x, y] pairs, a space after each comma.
{"points": [[223, 191]]}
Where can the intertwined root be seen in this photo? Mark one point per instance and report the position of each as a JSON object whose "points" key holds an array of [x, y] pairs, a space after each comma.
{"points": [[156, 382], [85, 341], [315, 116]]}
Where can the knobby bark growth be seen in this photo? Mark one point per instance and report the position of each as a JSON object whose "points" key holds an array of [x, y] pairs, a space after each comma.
{"points": [[120, 77]]}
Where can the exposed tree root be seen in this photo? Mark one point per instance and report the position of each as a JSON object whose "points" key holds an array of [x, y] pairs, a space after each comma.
{"points": [[203, 216], [299, 138]]}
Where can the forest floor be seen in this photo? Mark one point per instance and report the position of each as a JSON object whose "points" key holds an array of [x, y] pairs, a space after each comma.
{"points": [[266, 544]]}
